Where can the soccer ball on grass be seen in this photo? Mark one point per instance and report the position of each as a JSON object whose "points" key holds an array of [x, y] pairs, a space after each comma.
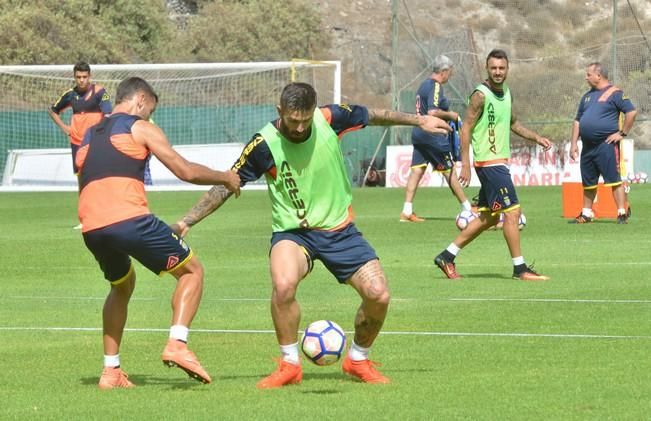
{"points": [[323, 342]]}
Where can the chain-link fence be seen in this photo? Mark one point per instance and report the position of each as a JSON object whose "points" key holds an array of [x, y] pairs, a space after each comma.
{"points": [[549, 43]]}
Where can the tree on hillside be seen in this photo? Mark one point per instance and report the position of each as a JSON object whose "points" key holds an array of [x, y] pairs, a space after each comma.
{"points": [[253, 30], [125, 31], [98, 31]]}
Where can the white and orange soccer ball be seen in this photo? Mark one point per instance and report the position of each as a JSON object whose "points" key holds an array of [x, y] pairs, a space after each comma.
{"points": [[323, 342], [464, 218]]}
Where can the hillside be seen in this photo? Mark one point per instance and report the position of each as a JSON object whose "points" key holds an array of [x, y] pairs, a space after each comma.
{"points": [[360, 32], [549, 44]]}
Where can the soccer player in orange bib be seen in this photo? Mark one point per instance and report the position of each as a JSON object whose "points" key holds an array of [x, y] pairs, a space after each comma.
{"points": [[89, 102], [118, 225]]}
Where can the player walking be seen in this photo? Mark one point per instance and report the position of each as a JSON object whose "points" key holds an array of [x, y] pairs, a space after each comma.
{"points": [[489, 120]]}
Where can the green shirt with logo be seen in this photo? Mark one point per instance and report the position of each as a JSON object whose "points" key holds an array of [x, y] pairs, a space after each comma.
{"points": [[491, 134], [311, 188]]}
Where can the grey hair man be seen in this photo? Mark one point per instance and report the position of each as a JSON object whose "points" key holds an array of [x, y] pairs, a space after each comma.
{"points": [[434, 149]]}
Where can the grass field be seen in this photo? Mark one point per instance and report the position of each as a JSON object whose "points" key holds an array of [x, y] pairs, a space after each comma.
{"points": [[487, 347]]}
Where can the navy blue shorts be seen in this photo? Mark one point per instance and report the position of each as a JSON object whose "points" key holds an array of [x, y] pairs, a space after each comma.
{"points": [[497, 192], [145, 238], [436, 154], [74, 149], [602, 159], [342, 252]]}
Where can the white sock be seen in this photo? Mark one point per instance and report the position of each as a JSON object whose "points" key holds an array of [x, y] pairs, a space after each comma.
{"points": [[407, 208], [466, 205], [453, 248], [112, 360], [357, 353], [621, 211], [518, 260], [290, 353], [179, 332], [587, 212]]}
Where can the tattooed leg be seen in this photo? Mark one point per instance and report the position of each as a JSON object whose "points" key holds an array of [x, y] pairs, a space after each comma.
{"points": [[371, 284]]}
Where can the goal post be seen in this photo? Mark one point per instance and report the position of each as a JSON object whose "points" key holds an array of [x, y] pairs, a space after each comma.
{"points": [[199, 103]]}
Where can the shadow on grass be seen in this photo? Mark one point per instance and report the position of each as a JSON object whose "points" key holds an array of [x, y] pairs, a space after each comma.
{"points": [[335, 375], [322, 392], [438, 218], [486, 275], [475, 276], [240, 377], [141, 380]]}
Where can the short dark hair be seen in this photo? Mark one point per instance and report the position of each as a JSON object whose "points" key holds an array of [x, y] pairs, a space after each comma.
{"points": [[497, 53], [130, 86], [600, 68], [298, 96], [81, 66]]}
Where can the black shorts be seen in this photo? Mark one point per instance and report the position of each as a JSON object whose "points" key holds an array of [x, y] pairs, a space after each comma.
{"points": [[145, 238], [438, 155], [602, 159], [342, 252], [497, 192], [73, 151]]}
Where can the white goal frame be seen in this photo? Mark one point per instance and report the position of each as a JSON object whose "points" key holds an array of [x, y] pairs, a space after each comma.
{"points": [[52, 166]]}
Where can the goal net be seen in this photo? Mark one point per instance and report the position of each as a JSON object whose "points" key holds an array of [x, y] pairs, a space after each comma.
{"points": [[199, 104]]}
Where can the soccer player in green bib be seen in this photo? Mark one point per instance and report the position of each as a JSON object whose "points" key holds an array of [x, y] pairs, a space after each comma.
{"points": [[299, 155], [488, 123]]}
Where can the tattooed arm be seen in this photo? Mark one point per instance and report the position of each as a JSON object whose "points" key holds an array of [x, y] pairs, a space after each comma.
{"points": [[429, 123], [209, 202]]}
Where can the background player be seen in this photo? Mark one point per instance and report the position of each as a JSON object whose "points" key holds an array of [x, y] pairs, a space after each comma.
{"points": [[300, 156], [435, 149], [489, 120], [117, 223], [89, 102]]}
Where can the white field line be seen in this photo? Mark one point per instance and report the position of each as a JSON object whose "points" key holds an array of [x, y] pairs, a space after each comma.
{"points": [[264, 265], [552, 300], [470, 299], [44, 297], [396, 333]]}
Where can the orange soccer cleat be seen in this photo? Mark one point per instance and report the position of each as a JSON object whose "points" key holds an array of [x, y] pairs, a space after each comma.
{"points": [[286, 373], [410, 218], [528, 274], [447, 267], [114, 377], [364, 370], [177, 354]]}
